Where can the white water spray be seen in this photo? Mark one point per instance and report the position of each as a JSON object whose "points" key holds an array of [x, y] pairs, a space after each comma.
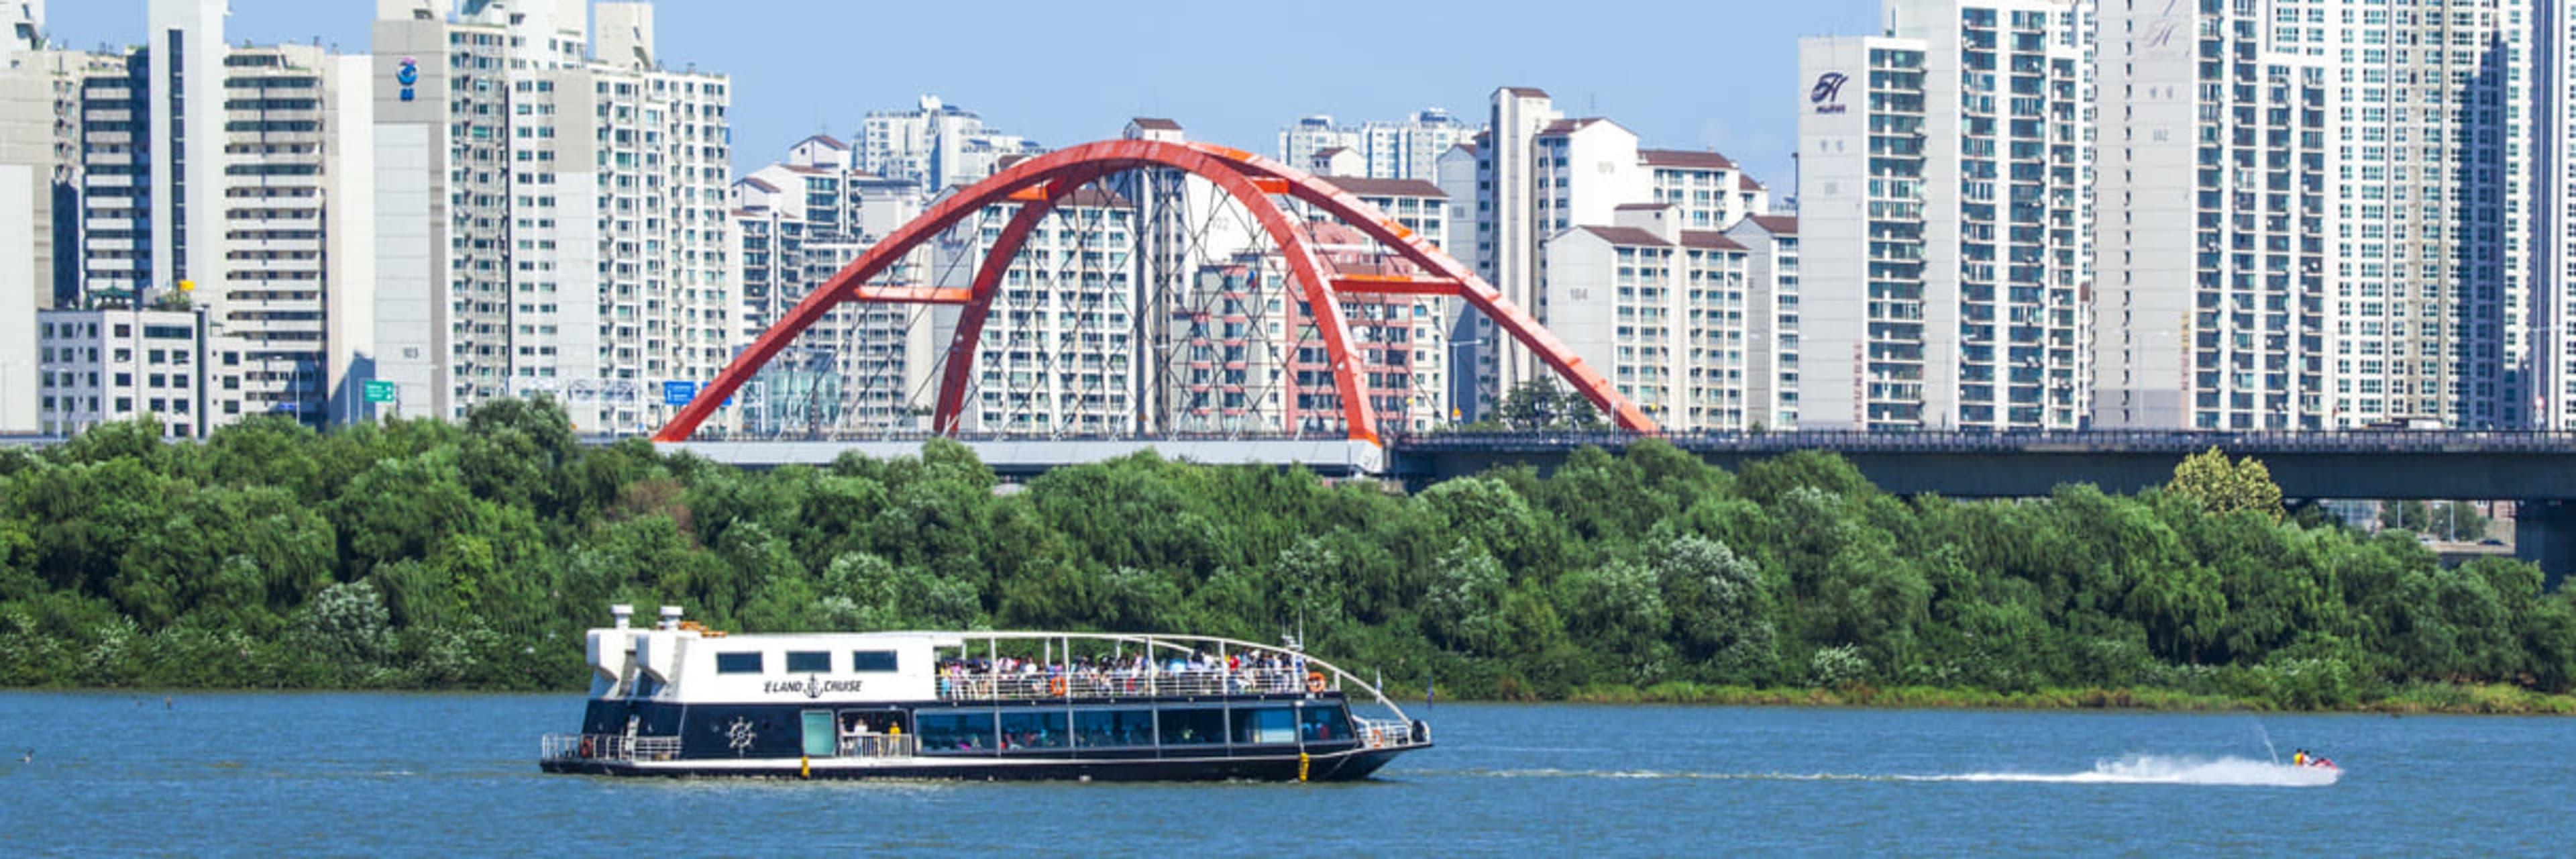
{"points": [[2134, 769], [2157, 769], [2267, 741]]}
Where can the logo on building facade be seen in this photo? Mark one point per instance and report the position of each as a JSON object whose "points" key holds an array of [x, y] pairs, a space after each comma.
{"points": [[1827, 94], [407, 73]]}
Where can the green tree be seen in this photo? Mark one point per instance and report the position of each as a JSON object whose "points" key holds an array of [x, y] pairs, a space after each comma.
{"points": [[2224, 488]]}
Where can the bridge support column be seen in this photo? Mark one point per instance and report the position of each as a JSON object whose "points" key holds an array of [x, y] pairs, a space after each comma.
{"points": [[2544, 533]]}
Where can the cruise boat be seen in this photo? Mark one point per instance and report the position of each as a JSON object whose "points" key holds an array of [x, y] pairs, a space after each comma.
{"points": [[678, 699]]}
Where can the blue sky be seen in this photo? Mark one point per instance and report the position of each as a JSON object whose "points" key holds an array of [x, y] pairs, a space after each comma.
{"points": [[1689, 75]]}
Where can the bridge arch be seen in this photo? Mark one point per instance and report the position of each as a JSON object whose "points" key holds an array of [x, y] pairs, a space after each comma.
{"points": [[1039, 184]]}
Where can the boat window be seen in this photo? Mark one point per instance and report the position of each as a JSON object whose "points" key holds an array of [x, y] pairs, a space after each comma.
{"points": [[738, 663], [1259, 725], [809, 661], [872, 661], [1034, 729], [1102, 728], [1323, 724], [1193, 727], [954, 731]]}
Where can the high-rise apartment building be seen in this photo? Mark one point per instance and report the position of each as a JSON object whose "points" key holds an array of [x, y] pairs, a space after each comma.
{"points": [[2432, 305], [799, 222], [936, 144], [1532, 176], [1407, 336], [27, 122], [183, 84], [1944, 217], [2553, 217], [1711, 190], [152, 157], [1662, 311], [1060, 353], [552, 216], [234, 178], [2350, 248], [290, 307], [1771, 329], [1407, 149]]}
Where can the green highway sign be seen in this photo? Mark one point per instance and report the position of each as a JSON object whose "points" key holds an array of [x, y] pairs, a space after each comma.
{"points": [[380, 392]]}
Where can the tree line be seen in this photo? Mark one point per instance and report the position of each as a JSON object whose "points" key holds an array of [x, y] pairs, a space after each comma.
{"points": [[420, 554]]}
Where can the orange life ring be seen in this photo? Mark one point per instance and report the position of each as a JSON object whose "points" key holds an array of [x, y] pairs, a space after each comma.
{"points": [[1055, 687], [1314, 681], [585, 746]]}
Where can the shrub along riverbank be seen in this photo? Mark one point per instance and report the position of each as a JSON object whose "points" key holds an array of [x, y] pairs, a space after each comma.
{"points": [[421, 555]]}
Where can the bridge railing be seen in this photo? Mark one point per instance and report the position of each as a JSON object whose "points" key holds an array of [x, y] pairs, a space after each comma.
{"points": [[2108, 441]]}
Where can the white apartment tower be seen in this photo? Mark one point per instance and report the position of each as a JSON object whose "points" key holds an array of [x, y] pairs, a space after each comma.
{"points": [[1406, 149], [184, 79], [237, 179], [291, 319], [150, 223], [799, 222], [1771, 329], [2350, 248], [113, 201], [1532, 176], [27, 178], [1944, 219], [1509, 233], [2553, 220], [1060, 352], [2432, 304], [1417, 328], [552, 214], [2215, 302], [1662, 311], [936, 144]]}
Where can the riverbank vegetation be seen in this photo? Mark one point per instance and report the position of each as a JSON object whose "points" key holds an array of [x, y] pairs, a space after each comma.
{"points": [[417, 554]]}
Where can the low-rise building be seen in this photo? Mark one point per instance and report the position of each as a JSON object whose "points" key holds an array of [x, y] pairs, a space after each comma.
{"points": [[103, 366]]}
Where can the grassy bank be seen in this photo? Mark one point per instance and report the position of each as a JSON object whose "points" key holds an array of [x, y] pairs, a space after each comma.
{"points": [[2491, 699]]}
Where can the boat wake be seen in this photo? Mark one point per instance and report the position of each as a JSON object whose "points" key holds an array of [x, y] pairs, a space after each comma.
{"points": [[2156, 769], [2134, 769]]}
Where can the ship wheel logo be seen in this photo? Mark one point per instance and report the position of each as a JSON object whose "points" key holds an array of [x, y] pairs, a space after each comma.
{"points": [[739, 734]]}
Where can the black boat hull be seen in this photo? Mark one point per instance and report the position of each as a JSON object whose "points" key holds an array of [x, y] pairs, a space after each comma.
{"points": [[1350, 765]]}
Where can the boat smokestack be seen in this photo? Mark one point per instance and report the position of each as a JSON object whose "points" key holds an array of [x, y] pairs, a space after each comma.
{"points": [[670, 617], [625, 614]]}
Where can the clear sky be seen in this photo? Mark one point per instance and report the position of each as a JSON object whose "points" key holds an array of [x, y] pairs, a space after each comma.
{"points": [[1684, 74]]}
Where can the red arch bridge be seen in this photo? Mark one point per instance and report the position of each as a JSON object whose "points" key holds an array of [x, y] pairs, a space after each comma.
{"points": [[1130, 288]]}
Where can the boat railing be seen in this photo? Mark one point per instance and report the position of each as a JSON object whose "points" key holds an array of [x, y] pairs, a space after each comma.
{"points": [[1386, 733], [1283, 670], [880, 746], [1126, 683], [607, 747]]}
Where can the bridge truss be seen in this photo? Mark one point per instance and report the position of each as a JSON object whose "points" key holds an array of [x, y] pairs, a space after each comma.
{"points": [[1132, 288]]}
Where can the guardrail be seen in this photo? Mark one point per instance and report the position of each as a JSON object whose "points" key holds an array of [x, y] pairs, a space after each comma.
{"points": [[1387, 733], [880, 746], [2139, 441], [1032, 686], [607, 747]]}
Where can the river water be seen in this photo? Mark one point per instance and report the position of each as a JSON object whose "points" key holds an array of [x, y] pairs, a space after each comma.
{"points": [[418, 774]]}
